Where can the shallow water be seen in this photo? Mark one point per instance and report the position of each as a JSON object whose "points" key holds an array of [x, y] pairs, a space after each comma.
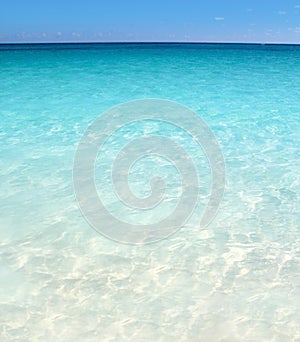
{"points": [[236, 280]]}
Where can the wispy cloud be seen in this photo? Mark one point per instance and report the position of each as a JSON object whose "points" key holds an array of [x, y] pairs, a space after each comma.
{"points": [[281, 12], [219, 18], [76, 34], [297, 6], [269, 32], [23, 35]]}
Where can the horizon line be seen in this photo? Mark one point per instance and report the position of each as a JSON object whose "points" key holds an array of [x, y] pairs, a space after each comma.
{"points": [[149, 42]]}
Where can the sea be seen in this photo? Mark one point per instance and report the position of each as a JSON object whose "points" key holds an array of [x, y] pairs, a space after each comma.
{"points": [[236, 279]]}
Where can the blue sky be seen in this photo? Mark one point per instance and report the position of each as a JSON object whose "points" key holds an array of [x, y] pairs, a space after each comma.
{"points": [[150, 20]]}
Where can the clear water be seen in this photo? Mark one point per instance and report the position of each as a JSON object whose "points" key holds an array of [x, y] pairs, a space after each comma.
{"points": [[237, 280]]}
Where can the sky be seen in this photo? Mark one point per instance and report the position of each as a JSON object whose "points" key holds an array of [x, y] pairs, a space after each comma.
{"points": [[274, 21]]}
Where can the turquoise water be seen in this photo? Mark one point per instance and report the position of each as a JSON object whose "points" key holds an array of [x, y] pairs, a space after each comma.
{"points": [[236, 280]]}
